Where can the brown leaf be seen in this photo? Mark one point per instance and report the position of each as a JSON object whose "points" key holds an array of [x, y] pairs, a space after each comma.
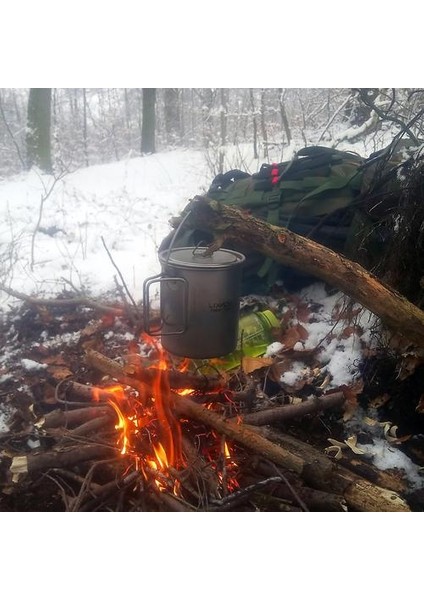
{"points": [[351, 395], [55, 359], [92, 328], [279, 368], [303, 313], [294, 334], [408, 366], [379, 401], [351, 330], [250, 364], [59, 372]]}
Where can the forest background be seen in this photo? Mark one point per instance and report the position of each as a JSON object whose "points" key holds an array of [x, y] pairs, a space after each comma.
{"points": [[63, 129]]}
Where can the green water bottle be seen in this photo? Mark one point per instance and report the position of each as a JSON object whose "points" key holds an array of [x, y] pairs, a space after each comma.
{"points": [[254, 336]]}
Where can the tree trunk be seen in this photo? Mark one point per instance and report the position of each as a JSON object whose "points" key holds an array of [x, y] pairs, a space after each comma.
{"points": [[255, 125], [172, 120], [149, 121], [301, 253], [223, 128], [263, 125], [38, 135], [84, 125], [283, 115]]}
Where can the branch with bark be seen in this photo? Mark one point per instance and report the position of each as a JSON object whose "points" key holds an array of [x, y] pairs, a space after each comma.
{"points": [[288, 248]]}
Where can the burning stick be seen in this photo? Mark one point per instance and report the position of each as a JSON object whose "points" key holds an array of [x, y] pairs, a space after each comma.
{"points": [[134, 373]]}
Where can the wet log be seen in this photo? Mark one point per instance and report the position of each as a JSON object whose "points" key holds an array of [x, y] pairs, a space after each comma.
{"points": [[288, 248]]}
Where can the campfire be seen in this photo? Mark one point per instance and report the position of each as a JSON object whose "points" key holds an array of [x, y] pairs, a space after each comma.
{"points": [[115, 422]]}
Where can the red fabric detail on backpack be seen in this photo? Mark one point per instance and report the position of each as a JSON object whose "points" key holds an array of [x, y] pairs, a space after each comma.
{"points": [[274, 173]]}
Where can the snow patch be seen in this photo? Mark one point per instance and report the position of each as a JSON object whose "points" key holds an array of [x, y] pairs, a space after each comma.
{"points": [[32, 366]]}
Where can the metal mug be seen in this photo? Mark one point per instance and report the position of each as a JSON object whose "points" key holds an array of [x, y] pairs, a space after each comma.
{"points": [[199, 301]]}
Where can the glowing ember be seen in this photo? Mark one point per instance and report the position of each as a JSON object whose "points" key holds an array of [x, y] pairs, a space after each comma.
{"points": [[185, 392]]}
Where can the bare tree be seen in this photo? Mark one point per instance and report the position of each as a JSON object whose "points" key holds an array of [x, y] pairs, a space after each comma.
{"points": [[10, 132], [223, 109], [148, 121], [172, 115], [283, 114], [263, 123], [255, 124], [38, 129]]}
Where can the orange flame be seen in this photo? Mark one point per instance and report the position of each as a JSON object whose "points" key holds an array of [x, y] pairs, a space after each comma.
{"points": [[169, 427], [147, 419]]}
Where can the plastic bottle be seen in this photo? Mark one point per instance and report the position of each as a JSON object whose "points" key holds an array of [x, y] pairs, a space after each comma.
{"points": [[255, 335]]}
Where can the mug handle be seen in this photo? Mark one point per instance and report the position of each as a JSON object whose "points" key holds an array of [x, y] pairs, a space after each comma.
{"points": [[146, 304]]}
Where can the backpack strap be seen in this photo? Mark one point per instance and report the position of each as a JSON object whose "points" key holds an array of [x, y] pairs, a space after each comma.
{"points": [[273, 217]]}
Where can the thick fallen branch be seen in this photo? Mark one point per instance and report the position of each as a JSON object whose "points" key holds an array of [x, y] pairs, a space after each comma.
{"points": [[288, 248]]}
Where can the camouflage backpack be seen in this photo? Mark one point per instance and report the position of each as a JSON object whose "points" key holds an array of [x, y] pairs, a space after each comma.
{"points": [[317, 194]]}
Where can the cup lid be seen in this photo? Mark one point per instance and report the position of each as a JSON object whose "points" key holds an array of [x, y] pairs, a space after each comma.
{"points": [[193, 256]]}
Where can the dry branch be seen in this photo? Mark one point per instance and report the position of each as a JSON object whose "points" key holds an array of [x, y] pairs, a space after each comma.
{"points": [[63, 302], [288, 248], [72, 418], [295, 411], [66, 457]]}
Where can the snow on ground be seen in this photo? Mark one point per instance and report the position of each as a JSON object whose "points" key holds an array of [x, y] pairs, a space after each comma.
{"points": [[128, 203]]}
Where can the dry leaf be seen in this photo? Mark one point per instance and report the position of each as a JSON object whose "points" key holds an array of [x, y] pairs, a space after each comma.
{"points": [[335, 448], [390, 433], [379, 401], [351, 330], [59, 372], [294, 334], [250, 364], [351, 395], [351, 442], [369, 421], [91, 328], [57, 360]]}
